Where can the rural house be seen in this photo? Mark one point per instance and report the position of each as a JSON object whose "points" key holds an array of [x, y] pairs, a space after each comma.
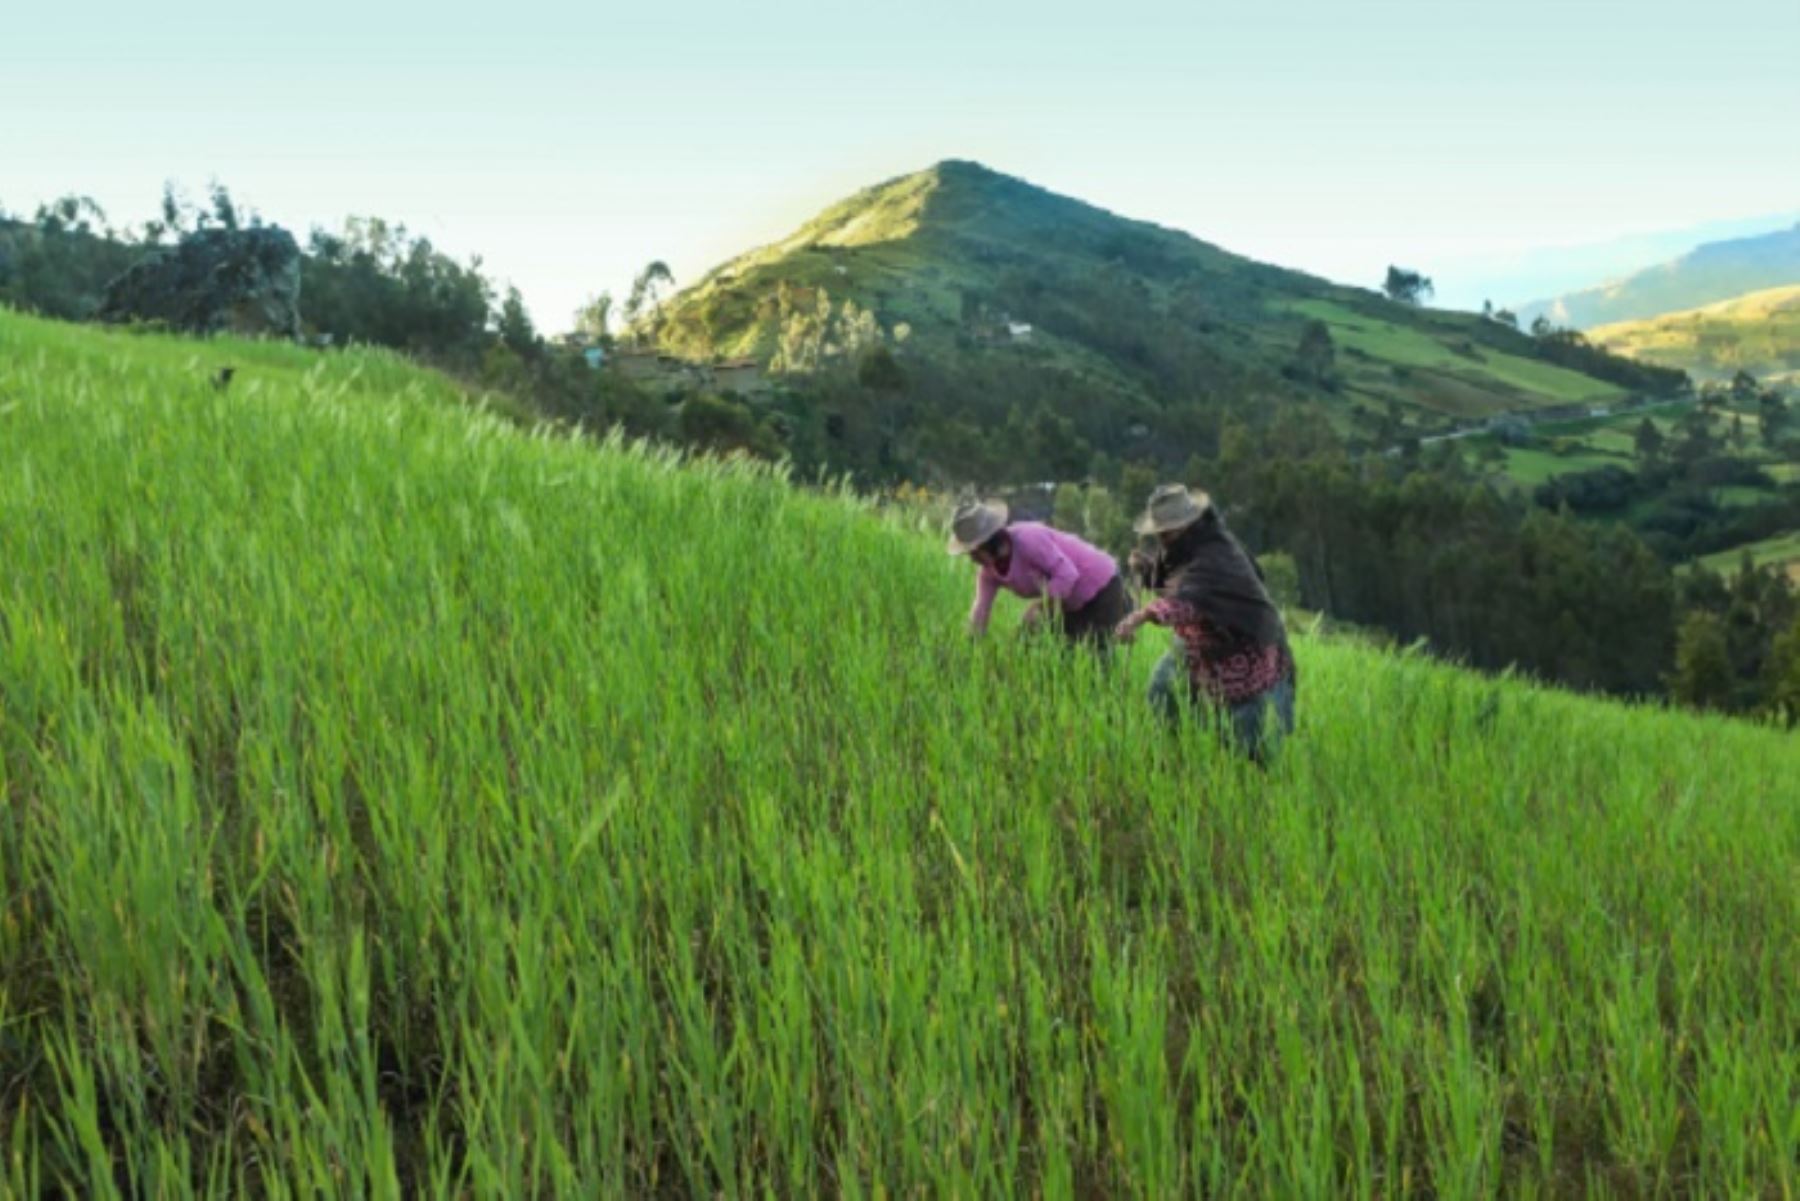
{"points": [[737, 375]]}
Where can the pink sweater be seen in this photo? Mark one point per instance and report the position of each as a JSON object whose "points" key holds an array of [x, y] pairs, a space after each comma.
{"points": [[1045, 562]]}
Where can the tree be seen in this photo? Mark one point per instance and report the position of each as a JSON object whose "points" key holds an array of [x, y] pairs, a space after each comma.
{"points": [[223, 210], [1281, 576], [721, 424], [171, 209], [881, 371], [515, 328], [854, 333], [1703, 676], [1695, 440], [1136, 482], [1315, 358], [1108, 524], [1649, 442], [1772, 415], [1049, 442], [1782, 688], [75, 214], [1068, 510], [1507, 317], [591, 319], [1406, 287], [802, 324], [646, 291], [370, 282]]}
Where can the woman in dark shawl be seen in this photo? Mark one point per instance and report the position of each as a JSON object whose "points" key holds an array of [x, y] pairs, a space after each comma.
{"points": [[1228, 630]]}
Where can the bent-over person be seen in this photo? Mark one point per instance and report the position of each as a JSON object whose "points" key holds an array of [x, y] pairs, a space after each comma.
{"points": [[1073, 584], [1228, 630]]}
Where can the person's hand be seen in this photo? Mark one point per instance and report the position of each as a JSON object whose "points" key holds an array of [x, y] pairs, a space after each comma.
{"points": [[1126, 630], [1142, 567], [1034, 613]]}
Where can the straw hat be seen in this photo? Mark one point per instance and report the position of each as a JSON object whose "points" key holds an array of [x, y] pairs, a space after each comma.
{"points": [[973, 523], [1172, 507]]}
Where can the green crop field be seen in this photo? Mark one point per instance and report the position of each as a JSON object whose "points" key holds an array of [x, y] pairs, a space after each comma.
{"points": [[395, 802], [1529, 466], [1782, 549], [1533, 384], [1738, 496]]}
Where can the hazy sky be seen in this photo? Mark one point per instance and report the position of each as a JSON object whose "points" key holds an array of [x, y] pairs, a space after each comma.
{"points": [[569, 143]]}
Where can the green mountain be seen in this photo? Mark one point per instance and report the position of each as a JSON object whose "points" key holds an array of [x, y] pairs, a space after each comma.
{"points": [[1713, 272], [394, 802], [1009, 295], [1758, 333]]}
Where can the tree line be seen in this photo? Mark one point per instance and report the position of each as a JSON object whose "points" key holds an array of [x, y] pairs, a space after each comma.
{"points": [[370, 282]]}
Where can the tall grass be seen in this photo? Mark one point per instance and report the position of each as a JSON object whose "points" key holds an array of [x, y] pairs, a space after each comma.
{"points": [[395, 803]]}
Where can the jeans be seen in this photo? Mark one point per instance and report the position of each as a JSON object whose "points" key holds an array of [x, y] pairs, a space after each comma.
{"points": [[1244, 726]]}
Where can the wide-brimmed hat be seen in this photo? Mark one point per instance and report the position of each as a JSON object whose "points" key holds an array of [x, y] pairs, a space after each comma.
{"points": [[973, 523], [1172, 507]]}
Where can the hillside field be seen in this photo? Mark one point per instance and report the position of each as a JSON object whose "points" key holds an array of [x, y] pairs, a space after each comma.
{"points": [[396, 802], [1444, 370], [1561, 448], [1782, 549], [1758, 333]]}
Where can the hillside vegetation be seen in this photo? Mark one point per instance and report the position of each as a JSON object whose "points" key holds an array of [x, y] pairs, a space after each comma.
{"points": [[1709, 273], [1075, 330], [393, 802], [1758, 333], [60, 265]]}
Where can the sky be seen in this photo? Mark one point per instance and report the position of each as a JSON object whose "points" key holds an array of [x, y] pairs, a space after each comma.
{"points": [[568, 144]]}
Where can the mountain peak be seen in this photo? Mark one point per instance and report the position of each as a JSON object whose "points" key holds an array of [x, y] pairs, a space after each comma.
{"points": [[967, 170], [961, 166]]}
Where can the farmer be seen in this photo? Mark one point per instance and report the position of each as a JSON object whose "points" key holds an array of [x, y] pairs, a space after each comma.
{"points": [[1076, 585], [1227, 629]]}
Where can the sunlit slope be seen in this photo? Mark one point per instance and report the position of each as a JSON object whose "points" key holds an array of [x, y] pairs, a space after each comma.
{"points": [[1758, 333], [391, 801]]}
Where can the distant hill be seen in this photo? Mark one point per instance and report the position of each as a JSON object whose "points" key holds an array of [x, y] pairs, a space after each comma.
{"points": [[1009, 295], [1517, 274], [1758, 333], [1713, 272]]}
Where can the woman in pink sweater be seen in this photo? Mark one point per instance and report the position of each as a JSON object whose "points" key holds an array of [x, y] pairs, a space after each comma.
{"points": [[1077, 585]]}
